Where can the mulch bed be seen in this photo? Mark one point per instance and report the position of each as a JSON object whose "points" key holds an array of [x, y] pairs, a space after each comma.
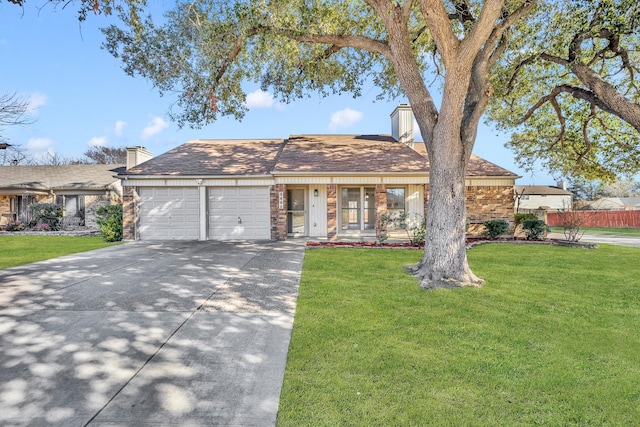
{"points": [[471, 242]]}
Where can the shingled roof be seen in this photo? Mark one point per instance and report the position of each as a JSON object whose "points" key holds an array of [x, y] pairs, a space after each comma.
{"points": [[59, 177], [214, 157], [299, 154]]}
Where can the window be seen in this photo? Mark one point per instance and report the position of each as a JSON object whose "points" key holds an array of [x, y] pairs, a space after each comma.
{"points": [[395, 201]]}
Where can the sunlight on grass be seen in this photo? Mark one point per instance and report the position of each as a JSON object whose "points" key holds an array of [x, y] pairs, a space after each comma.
{"points": [[19, 250], [551, 339]]}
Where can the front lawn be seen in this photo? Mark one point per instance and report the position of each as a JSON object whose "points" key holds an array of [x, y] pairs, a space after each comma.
{"points": [[18, 250], [553, 338]]}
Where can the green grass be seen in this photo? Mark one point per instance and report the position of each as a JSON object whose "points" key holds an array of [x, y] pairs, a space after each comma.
{"points": [[19, 250], [552, 339], [632, 232]]}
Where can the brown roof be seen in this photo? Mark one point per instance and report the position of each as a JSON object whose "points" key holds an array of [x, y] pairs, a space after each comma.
{"points": [[213, 157], [541, 190], [348, 153], [59, 177], [300, 154]]}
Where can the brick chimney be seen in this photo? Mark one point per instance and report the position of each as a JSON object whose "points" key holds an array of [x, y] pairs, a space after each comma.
{"points": [[137, 155], [402, 124]]}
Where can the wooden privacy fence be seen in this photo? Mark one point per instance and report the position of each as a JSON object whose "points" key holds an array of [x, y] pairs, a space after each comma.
{"points": [[604, 219]]}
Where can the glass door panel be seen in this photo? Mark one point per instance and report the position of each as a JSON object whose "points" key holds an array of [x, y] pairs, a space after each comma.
{"points": [[296, 212], [350, 202], [369, 208]]}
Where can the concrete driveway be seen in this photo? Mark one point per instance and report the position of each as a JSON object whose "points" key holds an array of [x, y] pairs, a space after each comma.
{"points": [[170, 333]]}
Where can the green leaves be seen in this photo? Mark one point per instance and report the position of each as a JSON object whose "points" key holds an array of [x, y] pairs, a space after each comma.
{"points": [[567, 89]]}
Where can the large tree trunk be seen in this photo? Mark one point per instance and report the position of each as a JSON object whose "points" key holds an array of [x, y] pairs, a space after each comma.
{"points": [[445, 258]]}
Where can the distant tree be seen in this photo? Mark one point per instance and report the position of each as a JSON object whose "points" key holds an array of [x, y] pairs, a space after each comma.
{"points": [[106, 155], [570, 89], [51, 158], [13, 112], [592, 189], [13, 155]]}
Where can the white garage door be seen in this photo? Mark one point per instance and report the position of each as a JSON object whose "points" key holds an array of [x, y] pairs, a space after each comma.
{"points": [[169, 213], [239, 213]]}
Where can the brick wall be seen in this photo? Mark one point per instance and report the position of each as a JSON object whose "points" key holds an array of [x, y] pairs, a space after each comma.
{"points": [[278, 216], [5, 204], [331, 211], [129, 196], [485, 203], [381, 205]]}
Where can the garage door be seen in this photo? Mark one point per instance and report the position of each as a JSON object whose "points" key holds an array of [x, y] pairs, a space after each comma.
{"points": [[239, 213], [169, 213]]}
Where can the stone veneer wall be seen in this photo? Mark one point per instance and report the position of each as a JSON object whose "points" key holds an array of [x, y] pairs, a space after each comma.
{"points": [[332, 207], [5, 204], [91, 205], [278, 216]]}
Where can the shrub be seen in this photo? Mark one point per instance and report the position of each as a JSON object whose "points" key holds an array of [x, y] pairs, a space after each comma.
{"points": [[416, 231], [534, 229], [110, 222], [47, 213], [42, 227], [496, 227], [519, 218], [15, 226]]}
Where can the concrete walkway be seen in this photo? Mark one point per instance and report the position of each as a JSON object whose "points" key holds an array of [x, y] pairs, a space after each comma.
{"points": [[597, 238], [170, 333]]}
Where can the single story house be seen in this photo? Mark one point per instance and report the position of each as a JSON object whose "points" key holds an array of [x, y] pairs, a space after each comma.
{"points": [[322, 186], [615, 204], [542, 197], [79, 189]]}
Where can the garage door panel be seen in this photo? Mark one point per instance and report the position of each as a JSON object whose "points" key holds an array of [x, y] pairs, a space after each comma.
{"points": [[169, 213], [249, 204]]}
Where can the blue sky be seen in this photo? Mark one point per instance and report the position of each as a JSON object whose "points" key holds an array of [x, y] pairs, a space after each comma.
{"points": [[81, 97]]}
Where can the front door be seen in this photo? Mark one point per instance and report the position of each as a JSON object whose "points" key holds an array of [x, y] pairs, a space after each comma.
{"points": [[296, 212], [358, 206]]}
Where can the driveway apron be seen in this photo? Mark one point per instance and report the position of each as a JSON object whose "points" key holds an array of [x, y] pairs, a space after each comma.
{"points": [[165, 333]]}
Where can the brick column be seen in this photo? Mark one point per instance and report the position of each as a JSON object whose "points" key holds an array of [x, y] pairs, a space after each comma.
{"points": [[426, 199], [381, 206], [332, 208], [278, 215], [129, 220]]}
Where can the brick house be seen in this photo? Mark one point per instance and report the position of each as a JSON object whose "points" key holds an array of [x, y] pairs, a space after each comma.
{"points": [[322, 186], [79, 189]]}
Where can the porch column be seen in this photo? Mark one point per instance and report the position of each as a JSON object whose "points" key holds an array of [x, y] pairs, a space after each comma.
{"points": [[331, 211], [129, 220], [381, 206]]}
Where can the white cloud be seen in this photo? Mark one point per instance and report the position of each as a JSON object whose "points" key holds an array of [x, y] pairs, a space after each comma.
{"points": [[156, 126], [344, 119], [36, 101], [259, 99], [98, 141], [119, 127], [39, 144]]}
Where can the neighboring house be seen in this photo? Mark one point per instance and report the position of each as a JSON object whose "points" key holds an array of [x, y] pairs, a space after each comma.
{"points": [[615, 204], [79, 189], [323, 186], [544, 197]]}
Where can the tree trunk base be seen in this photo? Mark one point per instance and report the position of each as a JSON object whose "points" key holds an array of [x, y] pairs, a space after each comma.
{"points": [[467, 279]]}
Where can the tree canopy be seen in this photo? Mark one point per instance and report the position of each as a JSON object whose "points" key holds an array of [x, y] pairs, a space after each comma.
{"points": [[570, 89]]}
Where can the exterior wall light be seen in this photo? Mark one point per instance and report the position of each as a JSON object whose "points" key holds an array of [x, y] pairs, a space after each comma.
{"points": [[315, 193]]}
